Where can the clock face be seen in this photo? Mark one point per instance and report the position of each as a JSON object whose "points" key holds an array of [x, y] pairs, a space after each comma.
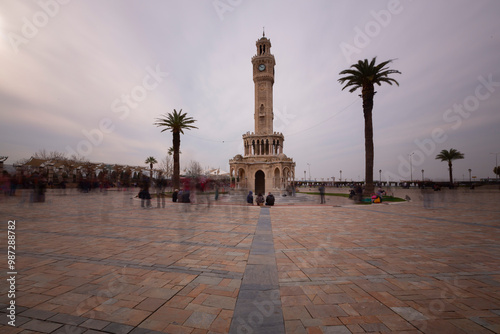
{"points": [[262, 67]]}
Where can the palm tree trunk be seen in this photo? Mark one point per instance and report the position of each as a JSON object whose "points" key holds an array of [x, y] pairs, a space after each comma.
{"points": [[176, 143], [450, 168], [367, 94], [150, 173]]}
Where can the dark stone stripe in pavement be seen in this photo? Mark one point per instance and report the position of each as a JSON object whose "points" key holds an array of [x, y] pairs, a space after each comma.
{"points": [[191, 243], [130, 264], [258, 307]]}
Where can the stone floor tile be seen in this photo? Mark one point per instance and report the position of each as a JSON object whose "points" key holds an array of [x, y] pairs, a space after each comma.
{"points": [[295, 312], [118, 328], [200, 320], [222, 302], [95, 324], [171, 315], [371, 308], [335, 330], [41, 326], [138, 330], [199, 331], [66, 329], [325, 311], [222, 323], [294, 326], [375, 327], [93, 331], [468, 326], [67, 319], [176, 329], [395, 322], [150, 304], [295, 300], [37, 314], [179, 301]]}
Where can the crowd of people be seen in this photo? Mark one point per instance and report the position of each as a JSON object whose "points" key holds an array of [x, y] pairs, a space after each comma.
{"points": [[36, 183]]}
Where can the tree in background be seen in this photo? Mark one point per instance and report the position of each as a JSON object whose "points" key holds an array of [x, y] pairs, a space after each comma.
{"points": [[449, 156], [194, 169], [496, 170], [151, 161], [166, 165]]}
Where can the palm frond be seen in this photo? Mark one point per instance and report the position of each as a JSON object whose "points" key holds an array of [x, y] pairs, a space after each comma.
{"points": [[175, 122]]}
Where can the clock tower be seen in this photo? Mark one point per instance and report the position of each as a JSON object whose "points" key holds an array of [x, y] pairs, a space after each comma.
{"points": [[263, 77], [263, 167]]}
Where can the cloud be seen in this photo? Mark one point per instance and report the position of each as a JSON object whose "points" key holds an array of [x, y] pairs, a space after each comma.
{"points": [[65, 79]]}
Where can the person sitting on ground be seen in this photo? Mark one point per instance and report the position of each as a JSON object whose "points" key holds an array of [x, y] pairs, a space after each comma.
{"points": [[260, 199], [270, 199], [352, 193], [250, 198]]}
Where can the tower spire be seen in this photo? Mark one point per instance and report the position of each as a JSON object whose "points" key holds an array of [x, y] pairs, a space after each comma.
{"points": [[263, 32]]}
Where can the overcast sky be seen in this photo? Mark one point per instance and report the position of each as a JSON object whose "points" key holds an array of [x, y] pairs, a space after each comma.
{"points": [[91, 77]]}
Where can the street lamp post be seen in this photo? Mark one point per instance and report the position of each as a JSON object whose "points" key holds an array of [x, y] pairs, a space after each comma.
{"points": [[422, 176], [2, 159], [340, 180], [470, 177], [380, 176], [411, 168]]}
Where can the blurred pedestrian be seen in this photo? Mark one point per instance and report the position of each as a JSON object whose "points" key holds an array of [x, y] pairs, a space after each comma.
{"points": [[145, 196], [322, 193]]}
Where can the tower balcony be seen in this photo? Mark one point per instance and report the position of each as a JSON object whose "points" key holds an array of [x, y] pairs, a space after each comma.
{"points": [[263, 144]]}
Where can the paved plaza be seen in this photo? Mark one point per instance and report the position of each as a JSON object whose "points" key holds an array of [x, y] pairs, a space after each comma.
{"points": [[99, 263]]}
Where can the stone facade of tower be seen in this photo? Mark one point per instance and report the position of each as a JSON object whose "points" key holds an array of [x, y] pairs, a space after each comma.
{"points": [[263, 167]]}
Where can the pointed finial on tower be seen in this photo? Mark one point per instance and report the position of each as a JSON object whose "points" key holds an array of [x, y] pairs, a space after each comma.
{"points": [[263, 32]]}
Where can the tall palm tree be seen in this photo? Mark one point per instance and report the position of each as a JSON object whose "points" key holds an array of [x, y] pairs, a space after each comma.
{"points": [[449, 156], [176, 122], [151, 161], [364, 75]]}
